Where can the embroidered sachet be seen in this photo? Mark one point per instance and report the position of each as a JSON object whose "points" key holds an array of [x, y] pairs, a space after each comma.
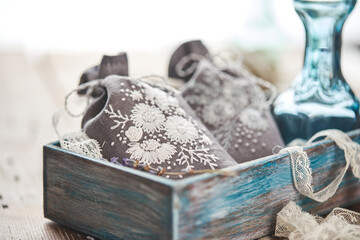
{"points": [[232, 106], [196, 49], [134, 119]]}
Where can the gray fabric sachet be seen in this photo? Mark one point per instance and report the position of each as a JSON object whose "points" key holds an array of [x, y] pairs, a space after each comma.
{"points": [[109, 65], [152, 123], [233, 108], [196, 48]]}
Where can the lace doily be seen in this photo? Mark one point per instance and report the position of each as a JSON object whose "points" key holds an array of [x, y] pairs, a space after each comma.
{"points": [[80, 143], [77, 142], [293, 223]]}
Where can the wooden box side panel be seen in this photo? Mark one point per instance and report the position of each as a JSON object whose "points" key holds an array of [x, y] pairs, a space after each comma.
{"points": [[102, 200], [245, 206]]}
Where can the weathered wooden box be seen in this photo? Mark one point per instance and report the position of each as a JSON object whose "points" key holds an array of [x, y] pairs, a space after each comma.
{"points": [[114, 202]]}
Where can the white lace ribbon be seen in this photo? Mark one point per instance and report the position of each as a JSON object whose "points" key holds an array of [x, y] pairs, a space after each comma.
{"points": [[77, 142], [293, 223], [80, 143], [301, 169]]}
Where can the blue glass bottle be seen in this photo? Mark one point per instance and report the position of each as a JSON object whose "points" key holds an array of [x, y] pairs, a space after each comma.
{"points": [[319, 97]]}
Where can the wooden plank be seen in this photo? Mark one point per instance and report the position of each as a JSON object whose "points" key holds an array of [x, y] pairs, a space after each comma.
{"points": [[103, 199], [245, 206], [206, 206]]}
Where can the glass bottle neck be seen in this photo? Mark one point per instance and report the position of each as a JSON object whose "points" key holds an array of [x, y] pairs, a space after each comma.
{"points": [[321, 79], [322, 51]]}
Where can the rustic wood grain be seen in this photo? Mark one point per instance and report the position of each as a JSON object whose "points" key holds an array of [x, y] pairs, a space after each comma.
{"points": [[245, 206], [101, 199], [138, 205]]}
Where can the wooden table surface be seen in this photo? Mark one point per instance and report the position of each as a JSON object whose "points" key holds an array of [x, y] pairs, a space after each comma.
{"points": [[32, 88]]}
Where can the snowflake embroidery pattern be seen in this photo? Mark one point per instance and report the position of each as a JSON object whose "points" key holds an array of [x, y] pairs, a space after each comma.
{"points": [[157, 130]]}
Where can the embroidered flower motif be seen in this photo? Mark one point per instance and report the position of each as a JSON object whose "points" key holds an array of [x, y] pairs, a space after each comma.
{"points": [[151, 151], [151, 93], [206, 140], [253, 119], [218, 111], [180, 130], [210, 78], [204, 91], [236, 92], [134, 134], [180, 111], [162, 104], [149, 118], [159, 131], [136, 95], [173, 101], [160, 98]]}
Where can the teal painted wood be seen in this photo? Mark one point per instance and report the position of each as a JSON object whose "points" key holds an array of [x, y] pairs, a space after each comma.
{"points": [[113, 202], [245, 206], [105, 200]]}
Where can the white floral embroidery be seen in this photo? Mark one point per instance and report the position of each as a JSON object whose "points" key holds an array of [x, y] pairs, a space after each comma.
{"points": [[157, 130], [236, 92], [180, 130], [149, 118], [211, 76], [180, 111], [206, 140], [202, 93], [253, 119], [221, 101], [134, 134], [172, 101], [218, 111], [151, 151], [160, 98], [136, 95], [152, 93]]}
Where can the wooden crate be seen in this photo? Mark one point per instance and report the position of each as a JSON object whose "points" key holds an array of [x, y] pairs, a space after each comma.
{"points": [[115, 202]]}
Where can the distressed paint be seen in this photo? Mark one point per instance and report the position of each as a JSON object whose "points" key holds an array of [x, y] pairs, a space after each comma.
{"points": [[102, 200], [245, 206], [111, 201]]}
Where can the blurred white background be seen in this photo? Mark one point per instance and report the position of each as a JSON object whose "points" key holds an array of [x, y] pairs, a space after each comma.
{"points": [[46, 45], [111, 25]]}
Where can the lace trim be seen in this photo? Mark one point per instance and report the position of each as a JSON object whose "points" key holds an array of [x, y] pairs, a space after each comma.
{"points": [[301, 169], [77, 142], [80, 143], [293, 223]]}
